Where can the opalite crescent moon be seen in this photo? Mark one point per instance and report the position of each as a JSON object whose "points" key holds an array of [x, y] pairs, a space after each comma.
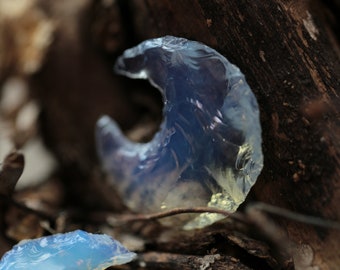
{"points": [[208, 149]]}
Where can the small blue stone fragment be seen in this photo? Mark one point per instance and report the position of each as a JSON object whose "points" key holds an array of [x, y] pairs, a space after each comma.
{"points": [[76, 250], [208, 149]]}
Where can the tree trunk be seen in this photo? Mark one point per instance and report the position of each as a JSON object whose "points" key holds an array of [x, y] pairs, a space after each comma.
{"points": [[289, 52]]}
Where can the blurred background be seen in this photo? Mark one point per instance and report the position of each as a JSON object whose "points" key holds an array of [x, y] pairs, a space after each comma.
{"points": [[56, 80]]}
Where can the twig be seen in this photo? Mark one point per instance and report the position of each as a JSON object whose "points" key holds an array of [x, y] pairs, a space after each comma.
{"points": [[118, 220], [312, 220], [10, 172]]}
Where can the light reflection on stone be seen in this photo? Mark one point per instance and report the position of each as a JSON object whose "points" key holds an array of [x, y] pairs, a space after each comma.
{"points": [[76, 250]]}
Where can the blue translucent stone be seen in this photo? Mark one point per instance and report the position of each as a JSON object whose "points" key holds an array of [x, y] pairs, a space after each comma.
{"points": [[76, 250], [208, 149]]}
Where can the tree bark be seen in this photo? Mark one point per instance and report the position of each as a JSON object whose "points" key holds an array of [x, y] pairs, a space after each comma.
{"points": [[289, 52]]}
